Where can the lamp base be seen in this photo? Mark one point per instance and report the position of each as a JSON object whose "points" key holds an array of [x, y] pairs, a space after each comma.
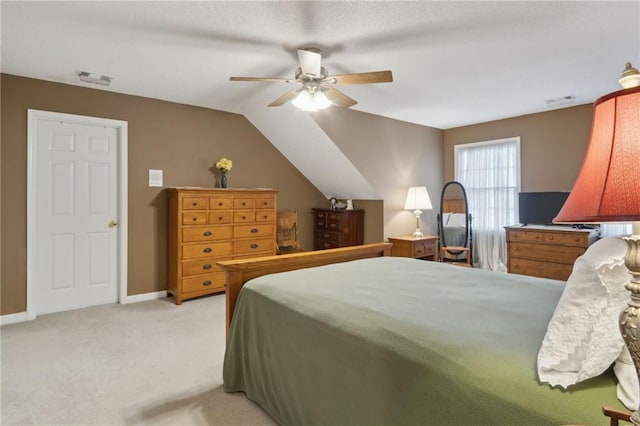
{"points": [[418, 234], [630, 316]]}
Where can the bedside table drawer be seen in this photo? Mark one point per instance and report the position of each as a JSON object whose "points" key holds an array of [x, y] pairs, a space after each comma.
{"points": [[424, 248]]}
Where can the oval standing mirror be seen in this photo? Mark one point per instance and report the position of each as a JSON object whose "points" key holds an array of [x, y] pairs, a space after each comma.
{"points": [[454, 223]]}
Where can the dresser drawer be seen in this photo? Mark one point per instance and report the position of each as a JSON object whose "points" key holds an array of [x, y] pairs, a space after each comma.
{"points": [[193, 203], [206, 282], [536, 268], [191, 251], [244, 217], [201, 266], [265, 203], [334, 225], [265, 216], [220, 217], [255, 230], [332, 237], [570, 239], [257, 216], [193, 218], [526, 236], [253, 246], [243, 203], [220, 203], [324, 244], [206, 233], [559, 254]]}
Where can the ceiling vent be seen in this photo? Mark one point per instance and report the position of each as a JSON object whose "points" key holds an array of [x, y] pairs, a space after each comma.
{"points": [[95, 78], [563, 100]]}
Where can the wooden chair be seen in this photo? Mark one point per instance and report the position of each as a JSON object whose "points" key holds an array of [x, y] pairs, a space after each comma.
{"points": [[287, 232], [466, 261], [616, 416]]}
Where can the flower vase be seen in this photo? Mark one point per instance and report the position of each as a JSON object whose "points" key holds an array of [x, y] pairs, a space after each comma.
{"points": [[223, 180]]}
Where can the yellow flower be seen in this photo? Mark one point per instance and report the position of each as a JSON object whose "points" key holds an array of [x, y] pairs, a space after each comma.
{"points": [[224, 164]]}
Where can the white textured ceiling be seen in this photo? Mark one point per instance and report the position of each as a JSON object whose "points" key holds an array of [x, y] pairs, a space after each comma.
{"points": [[454, 63]]}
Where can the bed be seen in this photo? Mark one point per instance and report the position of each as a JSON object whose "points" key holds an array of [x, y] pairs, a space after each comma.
{"points": [[407, 342]]}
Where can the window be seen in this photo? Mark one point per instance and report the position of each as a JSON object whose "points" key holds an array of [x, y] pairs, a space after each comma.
{"points": [[490, 173]]}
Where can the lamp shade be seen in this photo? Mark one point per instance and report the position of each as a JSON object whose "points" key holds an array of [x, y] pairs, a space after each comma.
{"points": [[608, 186], [417, 199]]}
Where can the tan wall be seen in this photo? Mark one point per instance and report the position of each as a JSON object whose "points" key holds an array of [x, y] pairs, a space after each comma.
{"points": [[552, 145], [392, 155], [182, 140]]}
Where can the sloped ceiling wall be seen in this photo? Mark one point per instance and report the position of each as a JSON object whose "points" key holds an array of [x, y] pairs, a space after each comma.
{"points": [[391, 155]]}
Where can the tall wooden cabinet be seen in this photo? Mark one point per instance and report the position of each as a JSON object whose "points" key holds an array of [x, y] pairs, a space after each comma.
{"points": [[337, 228], [546, 252], [209, 225]]}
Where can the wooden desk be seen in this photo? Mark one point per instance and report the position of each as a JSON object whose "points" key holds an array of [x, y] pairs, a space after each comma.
{"points": [[417, 248]]}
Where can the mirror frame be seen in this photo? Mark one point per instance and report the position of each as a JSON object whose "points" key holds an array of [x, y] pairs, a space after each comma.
{"points": [[443, 243]]}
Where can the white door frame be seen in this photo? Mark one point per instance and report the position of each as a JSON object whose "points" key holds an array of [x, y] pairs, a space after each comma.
{"points": [[121, 128]]}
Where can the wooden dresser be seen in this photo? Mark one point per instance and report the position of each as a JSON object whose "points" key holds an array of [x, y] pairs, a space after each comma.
{"points": [[337, 228], [208, 225], [546, 252]]}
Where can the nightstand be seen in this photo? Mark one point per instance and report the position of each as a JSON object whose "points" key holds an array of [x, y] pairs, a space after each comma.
{"points": [[416, 247]]}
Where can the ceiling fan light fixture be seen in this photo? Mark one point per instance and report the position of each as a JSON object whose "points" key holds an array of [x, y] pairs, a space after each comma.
{"points": [[311, 102], [321, 101]]}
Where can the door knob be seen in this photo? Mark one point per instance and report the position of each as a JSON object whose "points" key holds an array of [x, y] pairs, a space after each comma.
{"points": [[113, 224]]}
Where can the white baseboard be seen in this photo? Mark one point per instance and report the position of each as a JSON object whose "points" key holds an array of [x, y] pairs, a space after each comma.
{"points": [[144, 297], [13, 318], [22, 316]]}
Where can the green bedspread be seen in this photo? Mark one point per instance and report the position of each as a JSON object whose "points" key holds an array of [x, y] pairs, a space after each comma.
{"points": [[400, 341]]}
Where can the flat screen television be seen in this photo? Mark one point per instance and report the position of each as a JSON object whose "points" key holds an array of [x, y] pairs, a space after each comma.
{"points": [[539, 208]]}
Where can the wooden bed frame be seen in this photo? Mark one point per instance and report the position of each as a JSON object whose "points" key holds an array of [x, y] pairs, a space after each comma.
{"points": [[238, 272]]}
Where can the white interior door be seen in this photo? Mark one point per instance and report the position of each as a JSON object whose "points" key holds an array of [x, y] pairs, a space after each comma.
{"points": [[76, 217]]}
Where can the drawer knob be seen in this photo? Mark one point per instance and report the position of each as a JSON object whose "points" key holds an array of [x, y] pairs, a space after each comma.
{"points": [[326, 235], [551, 238], [195, 218], [264, 217], [254, 245], [244, 204], [206, 266], [327, 245], [254, 230], [207, 282], [195, 204], [265, 203], [220, 204], [207, 233], [219, 217], [244, 217], [207, 250]]}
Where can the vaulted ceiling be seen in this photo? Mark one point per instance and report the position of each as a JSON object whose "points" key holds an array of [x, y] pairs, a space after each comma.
{"points": [[454, 63]]}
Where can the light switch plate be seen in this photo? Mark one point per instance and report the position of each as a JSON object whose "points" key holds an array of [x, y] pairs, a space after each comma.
{"points": [[155, 177]]}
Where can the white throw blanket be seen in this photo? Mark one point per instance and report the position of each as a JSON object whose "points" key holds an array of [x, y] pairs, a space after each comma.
{"points": [[583, 338]]}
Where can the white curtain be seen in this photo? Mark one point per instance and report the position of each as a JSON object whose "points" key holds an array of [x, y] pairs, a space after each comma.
{"points": [[615, 229], [490, 173]]}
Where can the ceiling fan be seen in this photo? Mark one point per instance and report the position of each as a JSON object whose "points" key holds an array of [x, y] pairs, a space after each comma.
{"points": [[316, 89]]}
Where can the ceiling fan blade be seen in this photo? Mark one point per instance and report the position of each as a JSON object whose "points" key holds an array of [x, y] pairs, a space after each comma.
{"points": [[338, 98], [286, 97], [263, 79], [361, 78], [310, 61]]}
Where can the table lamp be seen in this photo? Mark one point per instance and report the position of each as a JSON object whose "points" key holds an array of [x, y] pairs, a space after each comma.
{"points": [[417, 200], [608, 189]]}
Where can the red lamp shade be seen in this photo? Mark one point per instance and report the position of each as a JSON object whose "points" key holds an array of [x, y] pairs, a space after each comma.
{"points": [[608, 186]]}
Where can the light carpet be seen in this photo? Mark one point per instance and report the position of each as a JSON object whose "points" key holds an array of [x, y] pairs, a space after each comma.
{"points": [[143, 363]]}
